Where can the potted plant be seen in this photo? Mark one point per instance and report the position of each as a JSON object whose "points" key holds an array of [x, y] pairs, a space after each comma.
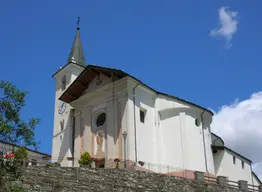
{"points": [[116, 160], [85, 160]]}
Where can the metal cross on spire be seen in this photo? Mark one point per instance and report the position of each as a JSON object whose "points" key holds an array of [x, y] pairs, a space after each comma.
{"points": [[78, 23]]}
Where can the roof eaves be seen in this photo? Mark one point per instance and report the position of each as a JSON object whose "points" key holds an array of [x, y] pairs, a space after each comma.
{"points": [[183, 100], [14, 145], [126, 74], [256, 177], [218, 137], [224, 147], [171, 96], [65, 67]]}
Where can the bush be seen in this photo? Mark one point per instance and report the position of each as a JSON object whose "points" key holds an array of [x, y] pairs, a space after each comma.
{"points": [[85, 159], [21, 154]]}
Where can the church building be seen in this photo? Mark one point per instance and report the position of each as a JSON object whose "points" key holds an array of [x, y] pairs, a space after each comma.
{"points": [[111, 114]]}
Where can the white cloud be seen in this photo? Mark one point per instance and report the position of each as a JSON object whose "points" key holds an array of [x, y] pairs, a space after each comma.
{"points": [[240, 126], [228, 25]]}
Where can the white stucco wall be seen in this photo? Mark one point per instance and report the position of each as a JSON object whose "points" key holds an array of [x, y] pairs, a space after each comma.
{"points": [[224, 166], [110, 98], [255, 180], [62, 140], [169, 136], [146, 132]]}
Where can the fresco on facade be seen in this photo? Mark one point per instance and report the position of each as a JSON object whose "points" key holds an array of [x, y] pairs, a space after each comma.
{"points": [[99, 144]]}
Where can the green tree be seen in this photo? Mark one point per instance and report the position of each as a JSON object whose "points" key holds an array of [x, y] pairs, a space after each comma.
{"points": [[14, 130]]}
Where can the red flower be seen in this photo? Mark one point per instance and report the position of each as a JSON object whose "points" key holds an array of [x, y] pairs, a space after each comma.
{"points": [[11, 155], [141, 163], [116, 160], [7, 156]]}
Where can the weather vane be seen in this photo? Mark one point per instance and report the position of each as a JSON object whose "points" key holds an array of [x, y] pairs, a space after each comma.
{"points": [[78, 23]]}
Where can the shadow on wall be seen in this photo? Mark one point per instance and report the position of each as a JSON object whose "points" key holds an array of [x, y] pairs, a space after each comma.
{"points": [[66, 139], [218, 156]]}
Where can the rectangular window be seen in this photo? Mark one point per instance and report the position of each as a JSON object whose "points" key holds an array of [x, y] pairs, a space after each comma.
{"points": [[62, 125], [243, 164], [234, 160], [142, 116], [63, 82]]}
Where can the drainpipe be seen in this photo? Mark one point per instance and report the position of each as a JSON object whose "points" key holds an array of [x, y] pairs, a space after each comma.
{"points": [[202, 122], [73, 136], [134, 104]]}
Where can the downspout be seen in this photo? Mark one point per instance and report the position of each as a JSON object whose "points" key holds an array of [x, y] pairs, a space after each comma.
{"points": [[113, 103], [202, 122], [134, 104], [73, 137]]}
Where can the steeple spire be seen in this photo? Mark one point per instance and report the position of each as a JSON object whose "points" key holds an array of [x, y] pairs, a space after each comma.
{"points": [[77, 54]]}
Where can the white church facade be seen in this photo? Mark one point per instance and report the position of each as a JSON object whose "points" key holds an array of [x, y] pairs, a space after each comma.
{"points": [[95, 105]]}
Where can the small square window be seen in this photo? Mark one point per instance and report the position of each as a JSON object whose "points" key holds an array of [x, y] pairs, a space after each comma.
{"points": [[243, 164], [234, 160], [142, 116]]}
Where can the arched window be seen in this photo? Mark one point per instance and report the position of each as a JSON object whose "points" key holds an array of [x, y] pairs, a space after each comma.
{"points": [[197, 122]]}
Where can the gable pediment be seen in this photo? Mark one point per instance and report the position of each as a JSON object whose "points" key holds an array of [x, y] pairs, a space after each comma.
{"points": [[98, 81], [91, 78]]}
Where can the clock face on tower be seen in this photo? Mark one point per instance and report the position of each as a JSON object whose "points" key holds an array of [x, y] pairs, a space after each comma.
{"points": [[61, 107]]}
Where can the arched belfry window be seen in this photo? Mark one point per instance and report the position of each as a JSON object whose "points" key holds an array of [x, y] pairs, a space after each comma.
{"points": [[63, 82], [197, 122], [101, 119]]}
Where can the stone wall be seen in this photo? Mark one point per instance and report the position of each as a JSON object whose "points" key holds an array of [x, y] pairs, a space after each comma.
{"points": [[86, 179]]}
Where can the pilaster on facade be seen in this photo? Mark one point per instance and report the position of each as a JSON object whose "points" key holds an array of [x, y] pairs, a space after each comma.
{"points": [[87, 129], [77, 142]]}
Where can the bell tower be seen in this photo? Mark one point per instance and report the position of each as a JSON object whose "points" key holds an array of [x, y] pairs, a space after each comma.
{"points": [[62, 142]]}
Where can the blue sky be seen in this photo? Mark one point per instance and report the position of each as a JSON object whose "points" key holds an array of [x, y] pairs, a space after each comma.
{"points": [[166, 44]]}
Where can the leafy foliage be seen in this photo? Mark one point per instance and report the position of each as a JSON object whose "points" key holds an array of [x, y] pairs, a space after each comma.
{"points": [[12, 128], [85, 159], [21, 153]]}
